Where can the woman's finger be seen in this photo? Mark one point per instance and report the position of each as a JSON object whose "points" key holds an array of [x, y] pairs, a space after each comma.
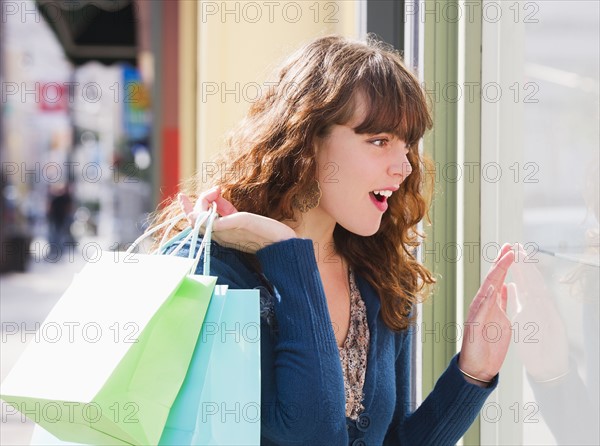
{"points": [[521, 253], [224, 207], [185, 203], [505, 248], [480, 301], [498, 272], [205, 200], [186, 206]]}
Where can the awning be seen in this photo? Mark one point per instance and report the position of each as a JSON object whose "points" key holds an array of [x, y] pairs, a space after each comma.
{"points": [[101, 30]]}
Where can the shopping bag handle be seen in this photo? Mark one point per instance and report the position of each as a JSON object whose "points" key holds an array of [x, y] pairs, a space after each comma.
{"points": [[172, 221], [184, 235], [188, 234], [165, 243], [205, 244]]}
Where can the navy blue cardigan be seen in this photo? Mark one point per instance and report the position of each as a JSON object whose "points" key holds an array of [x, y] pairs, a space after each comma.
{"points": [[303, 400]]}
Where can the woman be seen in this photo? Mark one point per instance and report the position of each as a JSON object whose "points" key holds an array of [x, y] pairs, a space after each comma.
{"points": [[324, 189]]}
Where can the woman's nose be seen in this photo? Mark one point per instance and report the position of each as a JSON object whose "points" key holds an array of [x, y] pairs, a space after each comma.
{"points": [[400, 166]]}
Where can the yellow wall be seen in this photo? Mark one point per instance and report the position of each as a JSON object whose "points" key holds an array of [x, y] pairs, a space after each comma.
{"points": [[240, 43], [188, 59]]}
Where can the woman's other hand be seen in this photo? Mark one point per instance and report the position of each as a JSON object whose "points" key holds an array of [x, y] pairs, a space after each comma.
{"points": [[243, 231], [487, 333]]}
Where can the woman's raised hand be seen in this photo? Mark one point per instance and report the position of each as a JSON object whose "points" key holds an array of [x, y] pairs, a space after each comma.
{"points": [[243, 231], [487, 333]]}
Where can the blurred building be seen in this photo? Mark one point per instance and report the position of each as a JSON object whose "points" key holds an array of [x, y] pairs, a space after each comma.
{"points": [[76, 113]]}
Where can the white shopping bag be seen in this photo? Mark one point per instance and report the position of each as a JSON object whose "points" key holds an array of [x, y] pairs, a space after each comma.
{"points": [[110, 358]]}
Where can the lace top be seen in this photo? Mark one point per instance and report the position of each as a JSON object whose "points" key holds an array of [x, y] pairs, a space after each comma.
{"points": [[353, 354]]}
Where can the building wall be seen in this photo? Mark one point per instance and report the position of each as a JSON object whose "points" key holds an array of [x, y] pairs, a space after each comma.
{"points": [[239, 44]]}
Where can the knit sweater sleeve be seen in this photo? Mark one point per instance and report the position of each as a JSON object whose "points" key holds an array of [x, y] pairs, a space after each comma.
{"points": [[446, 413], [306, 400]]}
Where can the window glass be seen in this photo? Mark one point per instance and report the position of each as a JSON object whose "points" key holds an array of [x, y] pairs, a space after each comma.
{"points": [[559, 173]]}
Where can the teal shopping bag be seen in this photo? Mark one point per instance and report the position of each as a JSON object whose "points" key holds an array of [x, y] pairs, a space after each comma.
{"points": [[230, 402], [219, 401], [181, 422]]}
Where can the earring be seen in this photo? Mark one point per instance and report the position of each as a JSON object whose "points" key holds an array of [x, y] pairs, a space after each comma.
{"points": [[310, 200]]}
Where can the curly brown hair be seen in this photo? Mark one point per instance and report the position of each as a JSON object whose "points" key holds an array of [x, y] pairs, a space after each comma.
{"points": [[270, 157]]}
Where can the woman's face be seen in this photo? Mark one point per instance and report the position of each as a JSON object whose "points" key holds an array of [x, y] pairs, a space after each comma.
{"points": [[352, 167]]}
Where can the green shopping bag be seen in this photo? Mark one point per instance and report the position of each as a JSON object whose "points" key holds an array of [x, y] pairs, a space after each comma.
{"points": [[114, 381]]}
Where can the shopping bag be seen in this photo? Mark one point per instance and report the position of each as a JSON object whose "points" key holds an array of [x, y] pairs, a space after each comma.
{"points": [[230, 401], [140, 316], [187, 424], [181, 422], [219, 401]]}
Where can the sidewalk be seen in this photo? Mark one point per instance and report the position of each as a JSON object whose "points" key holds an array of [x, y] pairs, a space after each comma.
{"points": [[25, 300]]}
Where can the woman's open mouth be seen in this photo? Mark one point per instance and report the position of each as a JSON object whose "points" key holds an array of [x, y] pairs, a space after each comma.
{"points": [[379, 199]]}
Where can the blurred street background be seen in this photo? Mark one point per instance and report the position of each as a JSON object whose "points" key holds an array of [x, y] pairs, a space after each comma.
{"points": [[108, 105]]}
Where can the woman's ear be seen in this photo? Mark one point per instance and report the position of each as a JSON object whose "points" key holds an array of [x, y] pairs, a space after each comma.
{"points": [[319, 140], [316, 145]]}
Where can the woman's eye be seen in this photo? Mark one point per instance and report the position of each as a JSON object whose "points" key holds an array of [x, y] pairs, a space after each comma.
{"points": [[379, 142]]}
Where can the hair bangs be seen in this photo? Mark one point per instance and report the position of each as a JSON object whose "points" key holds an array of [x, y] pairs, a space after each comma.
{"points": [[401, 110]]}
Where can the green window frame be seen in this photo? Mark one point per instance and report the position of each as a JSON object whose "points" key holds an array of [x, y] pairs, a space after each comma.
{"points": [[452, 60]]}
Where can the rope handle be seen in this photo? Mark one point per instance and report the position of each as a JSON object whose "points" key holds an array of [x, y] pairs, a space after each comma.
{"points": [[189, 234]]}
